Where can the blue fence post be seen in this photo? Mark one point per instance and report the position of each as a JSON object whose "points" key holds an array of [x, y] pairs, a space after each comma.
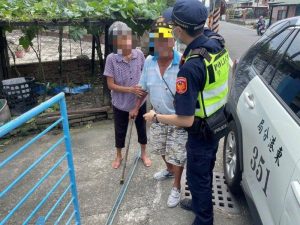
{"points": [[40, 221], [8, 127], [65, 123]]}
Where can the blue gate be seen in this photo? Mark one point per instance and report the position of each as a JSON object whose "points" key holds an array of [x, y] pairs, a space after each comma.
{"points": [[65, 204]]}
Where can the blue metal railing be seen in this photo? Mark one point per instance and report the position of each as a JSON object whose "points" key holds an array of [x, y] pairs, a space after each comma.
{"points": [[67, 156]]}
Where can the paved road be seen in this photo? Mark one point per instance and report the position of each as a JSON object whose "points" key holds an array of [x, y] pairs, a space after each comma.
{"points": [[238, 38], [98, 184]]}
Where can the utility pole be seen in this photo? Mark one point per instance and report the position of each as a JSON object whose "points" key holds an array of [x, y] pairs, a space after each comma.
{"points": [[214, 13]]}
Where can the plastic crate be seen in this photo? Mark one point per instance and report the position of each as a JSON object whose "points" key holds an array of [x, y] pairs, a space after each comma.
{"points": [[19, 94]]}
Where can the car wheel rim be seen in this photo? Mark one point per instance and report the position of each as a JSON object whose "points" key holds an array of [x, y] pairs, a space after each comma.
{"points": [[230, 155]]}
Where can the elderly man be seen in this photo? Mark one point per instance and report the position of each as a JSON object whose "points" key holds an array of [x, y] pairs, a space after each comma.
{"points": [[201, 92], [159, 80]]}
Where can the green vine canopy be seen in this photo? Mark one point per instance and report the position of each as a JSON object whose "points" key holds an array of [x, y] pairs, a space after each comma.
{"points": [[129, 11], [34, 16]]}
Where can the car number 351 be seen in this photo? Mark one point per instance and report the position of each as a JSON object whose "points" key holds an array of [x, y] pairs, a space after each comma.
{"points": [[262, 173]]}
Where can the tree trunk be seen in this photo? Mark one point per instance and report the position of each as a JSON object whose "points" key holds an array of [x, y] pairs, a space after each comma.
{"points": [[106, 91], [4, 58], [60, 55], [99, 52], [93, 56]]}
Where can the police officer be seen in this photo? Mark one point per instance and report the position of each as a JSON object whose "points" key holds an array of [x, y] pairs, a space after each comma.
{"points": [[201, 92]]}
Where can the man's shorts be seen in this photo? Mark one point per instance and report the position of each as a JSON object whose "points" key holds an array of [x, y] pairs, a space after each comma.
{"points": [[169, 141]]}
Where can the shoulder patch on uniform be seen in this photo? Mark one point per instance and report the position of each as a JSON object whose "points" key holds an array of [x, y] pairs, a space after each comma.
{"points": [[181, 85]]}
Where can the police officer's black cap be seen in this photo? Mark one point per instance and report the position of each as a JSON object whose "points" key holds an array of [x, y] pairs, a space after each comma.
{"points": [[189, 14], [167, 14]]}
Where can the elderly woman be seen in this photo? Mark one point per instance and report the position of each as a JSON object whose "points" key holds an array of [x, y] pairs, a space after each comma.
{"points": [[123, 71]]}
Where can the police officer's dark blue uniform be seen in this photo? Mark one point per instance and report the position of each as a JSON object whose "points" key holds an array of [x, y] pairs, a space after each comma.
{"points": [[201, 153]]}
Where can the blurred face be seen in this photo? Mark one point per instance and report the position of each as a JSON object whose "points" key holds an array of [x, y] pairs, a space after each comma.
{"points": [[122, 41], [163, 42]]}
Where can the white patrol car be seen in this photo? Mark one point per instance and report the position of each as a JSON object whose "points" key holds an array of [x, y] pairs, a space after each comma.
{"points": [[262, 148]]}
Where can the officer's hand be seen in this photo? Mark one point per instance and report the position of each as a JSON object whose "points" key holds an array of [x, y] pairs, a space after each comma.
{"points": [[149, 116]]}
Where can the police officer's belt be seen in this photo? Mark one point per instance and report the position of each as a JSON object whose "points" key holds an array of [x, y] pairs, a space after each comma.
{"points": [[215, 126]]}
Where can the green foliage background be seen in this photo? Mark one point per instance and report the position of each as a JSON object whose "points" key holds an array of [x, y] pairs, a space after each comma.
{"points": [[134, 13], [28, 10], [128, 11]]}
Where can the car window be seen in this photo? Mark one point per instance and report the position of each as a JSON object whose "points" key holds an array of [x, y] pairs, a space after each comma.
{"points": [[286, 81], [276, 27], [267, 53], [273, 63]]}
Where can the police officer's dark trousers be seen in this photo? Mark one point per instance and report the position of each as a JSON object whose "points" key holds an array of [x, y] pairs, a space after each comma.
{"points": [[201, 156]]}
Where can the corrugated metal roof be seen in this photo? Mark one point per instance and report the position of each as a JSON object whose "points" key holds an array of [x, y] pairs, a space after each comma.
{"points": [[285, 2], [238, 1]]}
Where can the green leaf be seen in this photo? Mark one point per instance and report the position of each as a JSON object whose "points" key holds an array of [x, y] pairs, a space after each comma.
{"points": [[76, 33], [123, 14], [25, 42], [132, 20]]}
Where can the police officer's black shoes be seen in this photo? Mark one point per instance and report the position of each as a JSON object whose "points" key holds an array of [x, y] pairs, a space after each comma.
{"points": [[186, 204]]}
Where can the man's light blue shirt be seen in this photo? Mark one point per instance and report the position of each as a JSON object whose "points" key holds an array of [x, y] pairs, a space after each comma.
{"points": [[151, 81]]}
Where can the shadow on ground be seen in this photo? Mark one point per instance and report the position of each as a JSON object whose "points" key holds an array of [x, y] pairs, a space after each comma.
{"points": [[98, 184]]}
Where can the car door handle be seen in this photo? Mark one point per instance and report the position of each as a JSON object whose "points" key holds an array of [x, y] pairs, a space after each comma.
{"points": [[296, 190], [249, 100]]}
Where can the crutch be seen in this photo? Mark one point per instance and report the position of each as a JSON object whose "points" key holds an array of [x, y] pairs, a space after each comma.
{"points": [[127, 150]]}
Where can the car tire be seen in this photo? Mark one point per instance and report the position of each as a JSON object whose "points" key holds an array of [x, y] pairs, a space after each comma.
{"points": [[231, 163]]}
